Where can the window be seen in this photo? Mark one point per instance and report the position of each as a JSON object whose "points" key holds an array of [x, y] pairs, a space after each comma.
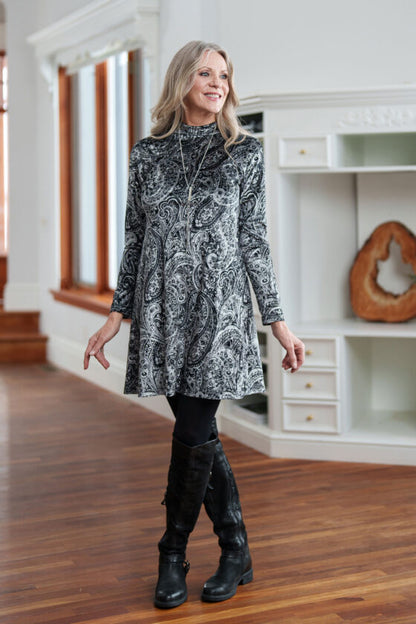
{"points": [[100, 108]]}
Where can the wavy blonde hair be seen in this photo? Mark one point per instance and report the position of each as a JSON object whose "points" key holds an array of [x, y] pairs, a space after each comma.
{"points": [[167, 115]]}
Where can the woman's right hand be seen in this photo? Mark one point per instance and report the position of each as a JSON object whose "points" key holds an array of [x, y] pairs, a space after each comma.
{"points": [[96, 343]]}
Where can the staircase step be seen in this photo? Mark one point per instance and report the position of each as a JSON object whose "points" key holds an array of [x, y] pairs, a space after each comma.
{"points": [[19, 322], [23, 348]]}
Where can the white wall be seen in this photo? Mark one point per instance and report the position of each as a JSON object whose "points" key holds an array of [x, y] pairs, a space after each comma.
{"points": [[275, 44], [50, 11], [23, 270], [3, 39], [297, 45], [185, 20]]}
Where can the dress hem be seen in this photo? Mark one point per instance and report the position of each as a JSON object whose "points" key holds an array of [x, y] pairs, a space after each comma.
{"points": [[199, 395]]}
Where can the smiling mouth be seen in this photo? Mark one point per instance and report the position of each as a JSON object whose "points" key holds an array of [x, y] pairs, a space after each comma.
{"points": [[213, 96]]}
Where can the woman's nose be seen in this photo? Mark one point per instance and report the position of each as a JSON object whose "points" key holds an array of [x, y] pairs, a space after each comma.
{"points": [[215, 80]]}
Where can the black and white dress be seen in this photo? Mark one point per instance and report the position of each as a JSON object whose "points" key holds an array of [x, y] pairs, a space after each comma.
{"points": [[192, 328]]}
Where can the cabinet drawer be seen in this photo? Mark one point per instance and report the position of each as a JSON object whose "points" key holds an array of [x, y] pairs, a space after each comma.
{"points": [[311, 384], [305, 152], [311, 417], [321, 351]]}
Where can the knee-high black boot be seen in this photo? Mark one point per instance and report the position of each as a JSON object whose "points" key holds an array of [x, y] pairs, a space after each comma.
{"points": [[188, 477], [222, 504]]}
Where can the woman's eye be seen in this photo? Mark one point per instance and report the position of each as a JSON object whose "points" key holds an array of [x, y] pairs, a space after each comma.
{"points": [[206, 73]]}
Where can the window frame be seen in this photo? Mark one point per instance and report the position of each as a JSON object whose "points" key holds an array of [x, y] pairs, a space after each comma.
{"points": [[96, 298]]}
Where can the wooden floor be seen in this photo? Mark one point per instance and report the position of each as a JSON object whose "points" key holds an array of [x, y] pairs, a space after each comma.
{"points": [[83, 473]]}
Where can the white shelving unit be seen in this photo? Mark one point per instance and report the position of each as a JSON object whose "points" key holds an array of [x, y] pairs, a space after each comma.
{"points": [[337, 165]]}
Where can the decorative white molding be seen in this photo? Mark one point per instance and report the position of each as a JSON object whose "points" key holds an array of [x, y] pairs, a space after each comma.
{"points": [[325, 98], [381, 117], [99, 29]]}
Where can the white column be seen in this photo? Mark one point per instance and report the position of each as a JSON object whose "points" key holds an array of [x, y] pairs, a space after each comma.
{"points": [[22, 288]]}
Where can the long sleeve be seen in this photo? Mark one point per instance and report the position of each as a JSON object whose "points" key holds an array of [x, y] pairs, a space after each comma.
{"points": [[135, 223], [253, 241]]}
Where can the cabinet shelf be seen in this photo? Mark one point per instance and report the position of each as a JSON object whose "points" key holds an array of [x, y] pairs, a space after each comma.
{"points": [[385, 149], [358, 327], [354, 169], [385, 427]]}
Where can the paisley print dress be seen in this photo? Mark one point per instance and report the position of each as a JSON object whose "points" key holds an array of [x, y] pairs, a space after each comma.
{"points": [[192, 323]]}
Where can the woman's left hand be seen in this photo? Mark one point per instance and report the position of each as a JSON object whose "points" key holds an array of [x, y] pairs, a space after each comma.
{"points": [[295, 349]]}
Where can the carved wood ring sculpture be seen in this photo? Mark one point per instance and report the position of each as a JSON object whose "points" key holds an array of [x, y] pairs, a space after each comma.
{"points": [[369, 301]]}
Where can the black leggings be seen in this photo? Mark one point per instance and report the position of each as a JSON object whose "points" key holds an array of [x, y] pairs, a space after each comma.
{"points": [[195, 418]]}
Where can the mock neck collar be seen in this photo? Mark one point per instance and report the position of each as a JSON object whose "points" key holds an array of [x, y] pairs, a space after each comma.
{"points": [[197, 131]]}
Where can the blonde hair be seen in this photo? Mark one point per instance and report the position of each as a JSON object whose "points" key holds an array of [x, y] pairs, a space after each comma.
{"points": [[167, 115]]}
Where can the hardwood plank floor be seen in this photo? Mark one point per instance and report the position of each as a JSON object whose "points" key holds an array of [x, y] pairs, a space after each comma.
{"points": [[81, 477]]}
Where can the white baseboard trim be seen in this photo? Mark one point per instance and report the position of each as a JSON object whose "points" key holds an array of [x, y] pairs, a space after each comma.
{"points": [[21, 296], [68, 354], [281, 445], [245, 432]]}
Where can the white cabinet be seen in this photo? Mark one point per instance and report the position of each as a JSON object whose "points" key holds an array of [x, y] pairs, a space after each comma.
{"points": [[305, 152], [337, 165], [311, 384], [311, 396], [311, 417], [321, 352]]}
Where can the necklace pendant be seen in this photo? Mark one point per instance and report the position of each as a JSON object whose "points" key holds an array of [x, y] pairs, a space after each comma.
{"points": [[189, 194]]}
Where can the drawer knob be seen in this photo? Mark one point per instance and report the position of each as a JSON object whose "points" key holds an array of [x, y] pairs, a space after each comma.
{"points": [[308, 352], [302, 151], [309, 385], [309, 417]]}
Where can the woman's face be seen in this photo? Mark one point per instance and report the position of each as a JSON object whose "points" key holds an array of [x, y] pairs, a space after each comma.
{"points": [[209, 90]]}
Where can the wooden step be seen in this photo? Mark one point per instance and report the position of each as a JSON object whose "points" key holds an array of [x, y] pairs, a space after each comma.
{"points": [[20, 340], [23, 347], [19, 322]]}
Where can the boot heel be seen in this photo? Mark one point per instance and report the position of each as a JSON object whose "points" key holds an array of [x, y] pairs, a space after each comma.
{"points": [[247, 577]]}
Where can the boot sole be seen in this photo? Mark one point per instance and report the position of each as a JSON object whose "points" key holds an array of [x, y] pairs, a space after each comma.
{"points": [[246, 578], [169, 605]]}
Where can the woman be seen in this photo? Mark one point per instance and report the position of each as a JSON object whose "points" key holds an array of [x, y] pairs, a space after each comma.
{"points": [[195, 227]]}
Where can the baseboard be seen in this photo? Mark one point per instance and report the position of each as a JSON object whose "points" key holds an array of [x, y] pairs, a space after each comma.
{"points": [[255, 436], [280, 445]]}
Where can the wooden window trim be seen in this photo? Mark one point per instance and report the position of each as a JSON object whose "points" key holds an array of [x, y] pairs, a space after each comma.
{"points": [[134, 96], [65, 163], [102, 175], [85, 299], [99, 297]]}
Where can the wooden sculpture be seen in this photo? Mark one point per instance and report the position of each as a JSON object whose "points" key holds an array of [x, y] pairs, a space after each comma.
{"points": [[368, 299]]}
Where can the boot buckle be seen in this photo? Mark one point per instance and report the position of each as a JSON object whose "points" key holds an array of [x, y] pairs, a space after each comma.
{"points": [[186, 566]]}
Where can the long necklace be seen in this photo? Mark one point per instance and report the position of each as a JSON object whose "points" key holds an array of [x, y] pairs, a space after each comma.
{"points": [[190, 185]]}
